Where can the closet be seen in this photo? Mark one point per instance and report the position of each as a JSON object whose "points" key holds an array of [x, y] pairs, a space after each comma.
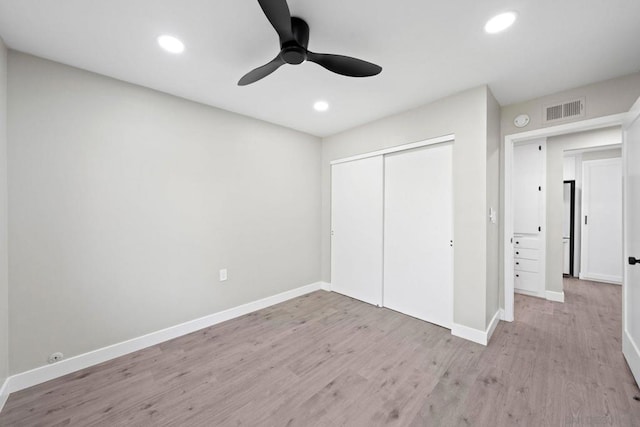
{"points": [[529, 176], [392, 231]]}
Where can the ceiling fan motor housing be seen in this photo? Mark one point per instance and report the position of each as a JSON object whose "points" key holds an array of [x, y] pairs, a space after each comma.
{"points": [[292, 53]]}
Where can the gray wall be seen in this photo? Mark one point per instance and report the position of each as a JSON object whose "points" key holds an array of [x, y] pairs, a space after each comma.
{"points": [[602, 99], [493, 201], [465, 115], [4, 254], [556, 147], [124, 203]]}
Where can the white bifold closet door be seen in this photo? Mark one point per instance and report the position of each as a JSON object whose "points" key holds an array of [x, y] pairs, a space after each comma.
{"points": [[356, 229], [418, 233]]}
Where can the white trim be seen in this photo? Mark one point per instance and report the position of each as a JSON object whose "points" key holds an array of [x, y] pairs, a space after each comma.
{"points": [[476, 335], [594, 277], [631, 354], [48, 372], [4, 393], [555, 296], [507, 214], [574, 152], [502, 314], [431, 141]]}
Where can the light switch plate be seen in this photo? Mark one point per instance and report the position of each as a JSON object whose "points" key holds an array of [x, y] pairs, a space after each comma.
{"points": [[223, 274]]}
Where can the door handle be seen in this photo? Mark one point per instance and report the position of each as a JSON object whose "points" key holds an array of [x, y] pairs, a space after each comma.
{"points": [[633, 261]]}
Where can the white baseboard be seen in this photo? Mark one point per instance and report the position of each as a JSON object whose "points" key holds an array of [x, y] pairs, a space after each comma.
{"points": [[48, 372], [4, 393], [503, 316], [554, 296], [476, 335], [325, 286], [530, 293], [631, 353], [612, 280]]}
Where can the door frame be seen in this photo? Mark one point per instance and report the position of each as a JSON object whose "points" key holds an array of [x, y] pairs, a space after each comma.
{"points": [[572, 225], [630, 349], [507, 210]]}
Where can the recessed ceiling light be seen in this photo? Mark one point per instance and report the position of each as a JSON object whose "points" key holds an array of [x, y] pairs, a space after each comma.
{"points": [[171, 44], [500, 22], [321, 106]]}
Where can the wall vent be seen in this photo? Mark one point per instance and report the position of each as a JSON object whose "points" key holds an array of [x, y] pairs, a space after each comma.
{"points": [[563, 111]]}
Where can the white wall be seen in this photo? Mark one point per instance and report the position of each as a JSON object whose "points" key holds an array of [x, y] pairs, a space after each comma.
{"points": [[493, 201], [4, 254], [124, 203], [465, 115], [556, 148]]}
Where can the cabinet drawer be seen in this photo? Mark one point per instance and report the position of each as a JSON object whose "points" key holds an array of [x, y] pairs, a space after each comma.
{"points": [[526, 242], [523, 264], [526, 253], [527, 281]]}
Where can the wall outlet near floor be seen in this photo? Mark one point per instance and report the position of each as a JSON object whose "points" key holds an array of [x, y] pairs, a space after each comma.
{"points": [[223, 274], [55, 357]]}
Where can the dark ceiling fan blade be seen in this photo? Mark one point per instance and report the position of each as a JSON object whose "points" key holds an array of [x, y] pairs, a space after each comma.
{"points": [[261, 72], [277, 12], [345, 65]]}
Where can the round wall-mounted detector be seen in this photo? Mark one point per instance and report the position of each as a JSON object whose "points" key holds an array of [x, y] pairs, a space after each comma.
{"points": [[521, 121]]}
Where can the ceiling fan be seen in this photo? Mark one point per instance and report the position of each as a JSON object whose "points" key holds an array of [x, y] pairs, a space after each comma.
{"points": [[294, 39]]}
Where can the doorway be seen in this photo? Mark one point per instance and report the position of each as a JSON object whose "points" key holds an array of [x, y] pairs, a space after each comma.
{"points": [[555, 227]]}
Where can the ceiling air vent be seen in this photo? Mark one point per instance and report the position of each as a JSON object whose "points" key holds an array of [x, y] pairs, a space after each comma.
{"points": [[564, 110]]}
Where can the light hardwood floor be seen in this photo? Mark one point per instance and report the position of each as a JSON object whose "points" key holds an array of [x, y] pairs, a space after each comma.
{"points": [[328, 360]]}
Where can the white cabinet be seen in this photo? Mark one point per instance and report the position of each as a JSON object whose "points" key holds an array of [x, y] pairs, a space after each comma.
{"points": [[529, 212]]}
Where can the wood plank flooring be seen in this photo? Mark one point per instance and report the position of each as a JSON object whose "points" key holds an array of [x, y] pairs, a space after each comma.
{"points": [[328, 360]]}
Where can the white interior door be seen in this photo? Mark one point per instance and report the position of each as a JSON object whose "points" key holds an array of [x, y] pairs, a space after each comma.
{"points": [[601, 255], [356, 229], [418, 228], [631, 291]]}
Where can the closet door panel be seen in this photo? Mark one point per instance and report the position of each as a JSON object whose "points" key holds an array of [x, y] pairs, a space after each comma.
{"points": [[356, 229], [418, 228], [527, 180]]}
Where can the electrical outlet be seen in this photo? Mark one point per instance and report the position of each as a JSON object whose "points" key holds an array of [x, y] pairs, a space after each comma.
{"points": [[223, 274], [56, 357]]}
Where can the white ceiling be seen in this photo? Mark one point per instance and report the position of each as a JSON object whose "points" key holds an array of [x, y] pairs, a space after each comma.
{"points": [[428, 49]]}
